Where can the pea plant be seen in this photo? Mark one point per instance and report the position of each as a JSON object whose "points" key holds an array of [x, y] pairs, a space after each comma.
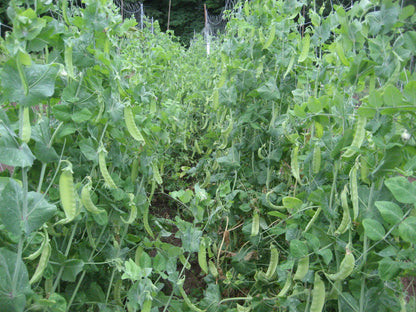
{"points": [[275, 174]]}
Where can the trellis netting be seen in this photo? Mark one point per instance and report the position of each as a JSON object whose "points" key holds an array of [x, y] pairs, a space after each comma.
{"points": [[133, 9]]}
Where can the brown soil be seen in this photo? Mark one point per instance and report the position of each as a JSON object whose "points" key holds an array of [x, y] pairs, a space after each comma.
{"points": [[409, 286]]}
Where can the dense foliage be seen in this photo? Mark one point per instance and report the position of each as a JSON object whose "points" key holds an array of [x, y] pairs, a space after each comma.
{"points": [[275, 174]]}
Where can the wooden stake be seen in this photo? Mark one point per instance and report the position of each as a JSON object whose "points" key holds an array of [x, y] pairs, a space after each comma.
{"points": [[170, 5]]}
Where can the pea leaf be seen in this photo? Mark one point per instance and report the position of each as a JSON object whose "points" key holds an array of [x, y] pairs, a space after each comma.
{"points": [[72, 268], [402, 190], [407, 229], [387, 269], [11, 153], [13, 291], [15, 217], [390, 212], [374, 230], [40, 80], [298, 249]]}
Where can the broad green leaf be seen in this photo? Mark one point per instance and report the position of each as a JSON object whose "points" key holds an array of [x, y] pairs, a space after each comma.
{"points": [[402, 190], [82, 115], [189, 235], [14, 282], [410, 92], [326, 254], [374, 230], [390, 212], [54, 302], [292, 203], [407, 229], [392, 96], [387, 269], [11, 153], [72, 268], [298, 249], [16, 218], [40, 79], [269, 91]]}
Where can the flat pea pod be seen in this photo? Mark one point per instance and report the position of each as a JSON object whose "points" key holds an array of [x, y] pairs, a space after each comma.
{"points": [[286, 286], [131, 124], [340, 52], [271, 37], [68, 60], [213, 269], [133, 211], [316, 159], [22, 74], [134, 170], [255, 225], [346, 267], [346, 219], [67, 195], [354, 191], [109, 183], [146, 221], [318, 294], [26, 128], [305, 48], [313, 219], [294, 164], [359, 136], [147, 305], [207, 179], [43, 262], [202, 256], [197, 148], [86, 199], [186, 298], [303, 268], [37, 253], [274, 260], [290, 66], [156, 174], [269, 202]]}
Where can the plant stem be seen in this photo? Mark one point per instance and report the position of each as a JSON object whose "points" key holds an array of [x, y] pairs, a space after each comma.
{"points": [[68, 248], [365, 250]]}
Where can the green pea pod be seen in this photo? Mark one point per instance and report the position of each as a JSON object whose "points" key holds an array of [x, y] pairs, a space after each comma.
{"points": [[43, 262], [345, 269], [318, 294], [346, 219], [67, 195], [303, 268], [274, 260]]}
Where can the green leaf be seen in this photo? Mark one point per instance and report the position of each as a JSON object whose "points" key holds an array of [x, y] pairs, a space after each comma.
{"points": [[40, 79], [410, 92], [11, 153], [374, 230], [292, 203], [269, 91], [298, 249], [55, 302], [407, 229], [15, 217], [402, 190], [72, 268], [14, 282], [82, 115], [387, 269], [390, 212], [392, 96]]}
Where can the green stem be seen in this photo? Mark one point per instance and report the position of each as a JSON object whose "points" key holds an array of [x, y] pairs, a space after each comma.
{"points": [[68, 248], [365, 250], [83, 273]]}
